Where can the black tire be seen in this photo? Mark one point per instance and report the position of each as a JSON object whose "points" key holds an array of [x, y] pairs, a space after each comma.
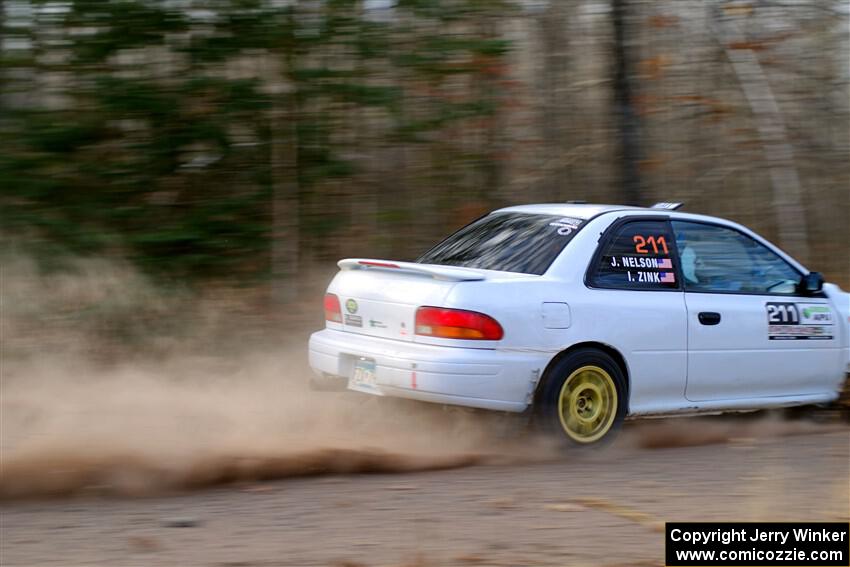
{"points": [[581, 366]]}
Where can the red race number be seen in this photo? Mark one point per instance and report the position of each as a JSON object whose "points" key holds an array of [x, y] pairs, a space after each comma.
{"points": [[657, 243]]}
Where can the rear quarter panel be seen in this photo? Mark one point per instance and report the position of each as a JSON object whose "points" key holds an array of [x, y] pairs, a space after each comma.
{"points": [[647, 328]]}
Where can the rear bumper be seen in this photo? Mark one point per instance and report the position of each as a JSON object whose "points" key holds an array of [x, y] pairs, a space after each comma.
{"points": [[480, 378]]}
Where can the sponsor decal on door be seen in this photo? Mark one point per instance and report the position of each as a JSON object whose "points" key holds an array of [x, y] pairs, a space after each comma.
{"points": [[798, 321]]}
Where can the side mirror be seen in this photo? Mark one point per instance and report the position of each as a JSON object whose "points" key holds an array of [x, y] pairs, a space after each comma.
{"points": [[811, 283]]}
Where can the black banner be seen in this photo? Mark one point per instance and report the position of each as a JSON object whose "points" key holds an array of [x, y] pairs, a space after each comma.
{"points": [[762, 544]]}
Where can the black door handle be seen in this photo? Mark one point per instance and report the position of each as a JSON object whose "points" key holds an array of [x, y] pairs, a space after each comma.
{"points": [[709, 318]]}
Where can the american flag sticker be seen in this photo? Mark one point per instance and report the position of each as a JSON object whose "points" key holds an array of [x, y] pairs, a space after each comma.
{"points": [[668, 277], [665, 264]]}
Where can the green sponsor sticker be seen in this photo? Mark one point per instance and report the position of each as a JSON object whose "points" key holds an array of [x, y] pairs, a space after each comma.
{"points": [[351, 306], [809, 311]]}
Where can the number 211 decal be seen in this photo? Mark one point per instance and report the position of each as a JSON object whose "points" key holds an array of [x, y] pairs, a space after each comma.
{"points": [[799, 321], [658, 243], [782, 314]]}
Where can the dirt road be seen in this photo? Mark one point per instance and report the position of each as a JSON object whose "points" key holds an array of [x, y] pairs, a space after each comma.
{"points": [[604, 508]]}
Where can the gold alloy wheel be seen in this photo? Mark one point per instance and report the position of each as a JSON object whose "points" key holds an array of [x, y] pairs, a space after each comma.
{"points": [[587, 404]]}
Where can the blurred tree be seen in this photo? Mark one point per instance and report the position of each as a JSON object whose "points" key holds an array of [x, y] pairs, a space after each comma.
{"points": [[770, 121], [139, 145], [554, 33], [624, 105], [242, 139], [204, 140]]}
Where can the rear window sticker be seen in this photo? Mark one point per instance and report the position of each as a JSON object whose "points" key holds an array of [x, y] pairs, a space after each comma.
{"points": [[651, 277], [641, 262], [565, 226]]}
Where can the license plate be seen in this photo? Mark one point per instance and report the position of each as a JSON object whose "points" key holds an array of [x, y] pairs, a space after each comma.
{"points": [[363, 378]]}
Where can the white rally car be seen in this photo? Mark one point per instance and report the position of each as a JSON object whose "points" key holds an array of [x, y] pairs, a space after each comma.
{"points": [[587, 315]]}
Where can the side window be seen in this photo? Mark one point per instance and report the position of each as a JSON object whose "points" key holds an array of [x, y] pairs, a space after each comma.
{"points": [[719, 259], [637, 256]]}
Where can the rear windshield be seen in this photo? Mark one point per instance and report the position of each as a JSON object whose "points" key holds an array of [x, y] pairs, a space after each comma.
{"points": [[509, 242]]}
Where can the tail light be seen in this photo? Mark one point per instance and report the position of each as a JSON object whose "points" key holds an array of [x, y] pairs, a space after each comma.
{"points": [[457, 324], [332, 308]]}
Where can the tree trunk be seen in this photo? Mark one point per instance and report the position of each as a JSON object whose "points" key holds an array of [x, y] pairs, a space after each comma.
{"points": [[627, 120], [787, 194], [553, 33], [285, 199]]}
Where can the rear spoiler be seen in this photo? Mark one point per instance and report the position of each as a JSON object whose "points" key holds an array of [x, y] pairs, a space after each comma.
{"points": [[446, 273]]}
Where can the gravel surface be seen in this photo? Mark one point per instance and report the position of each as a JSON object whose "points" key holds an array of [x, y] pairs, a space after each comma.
{"points": [[601, 508]]}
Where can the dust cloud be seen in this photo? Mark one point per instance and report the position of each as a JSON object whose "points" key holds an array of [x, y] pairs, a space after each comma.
{"points": [[146, 428], [731, 428], [111, 386]]}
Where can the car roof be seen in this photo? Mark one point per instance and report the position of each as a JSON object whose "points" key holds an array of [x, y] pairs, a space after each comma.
{"points": [[575, 210], [586, 211]]}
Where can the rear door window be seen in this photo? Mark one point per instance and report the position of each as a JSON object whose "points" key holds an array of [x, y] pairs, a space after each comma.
{"points": [[637, 255], [510, 242]]}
